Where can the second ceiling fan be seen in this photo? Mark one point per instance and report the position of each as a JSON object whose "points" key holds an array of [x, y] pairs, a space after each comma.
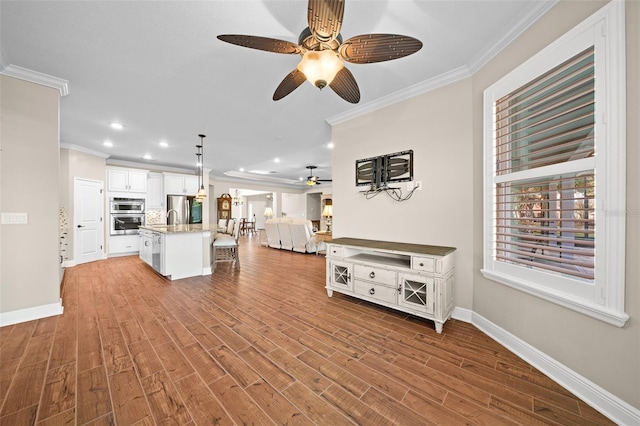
{"points": [[322, 51], [312, 179]]}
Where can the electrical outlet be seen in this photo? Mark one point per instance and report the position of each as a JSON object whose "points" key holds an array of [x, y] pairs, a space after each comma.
{"points": [[414, 184]]}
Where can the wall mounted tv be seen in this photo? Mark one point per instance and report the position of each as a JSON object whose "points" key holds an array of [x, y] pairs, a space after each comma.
{"points": [[379, 172]]}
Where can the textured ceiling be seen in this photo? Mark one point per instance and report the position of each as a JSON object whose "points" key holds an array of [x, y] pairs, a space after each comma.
{"points": [[157, 67]]}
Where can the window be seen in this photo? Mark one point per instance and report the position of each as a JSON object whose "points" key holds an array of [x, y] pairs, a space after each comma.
{"points": [[554, 187]]}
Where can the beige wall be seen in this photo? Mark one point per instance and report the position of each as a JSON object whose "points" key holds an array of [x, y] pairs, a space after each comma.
{"points": [[437, 127], [444, 128], [76, 164], [29, 184], [607, 355]]}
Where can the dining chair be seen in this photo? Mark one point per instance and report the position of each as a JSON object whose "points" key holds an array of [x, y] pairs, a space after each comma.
{"points": [[225, 248]]}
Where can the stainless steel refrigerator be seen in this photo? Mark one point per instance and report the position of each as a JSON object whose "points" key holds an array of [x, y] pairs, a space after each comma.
{"points": [[178, 209]]}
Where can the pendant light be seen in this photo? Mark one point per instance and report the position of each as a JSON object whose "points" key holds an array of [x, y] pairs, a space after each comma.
{"points": [[237, 200], [202, 194]]}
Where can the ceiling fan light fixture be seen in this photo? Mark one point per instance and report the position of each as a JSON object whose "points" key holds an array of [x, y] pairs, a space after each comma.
{"points": [[320, 67]]}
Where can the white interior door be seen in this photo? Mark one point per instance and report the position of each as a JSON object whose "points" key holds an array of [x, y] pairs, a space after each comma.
{"points": [[88, 220]]}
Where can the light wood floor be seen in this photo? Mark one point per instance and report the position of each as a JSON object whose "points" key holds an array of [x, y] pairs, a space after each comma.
{"points": [[263, 345]]}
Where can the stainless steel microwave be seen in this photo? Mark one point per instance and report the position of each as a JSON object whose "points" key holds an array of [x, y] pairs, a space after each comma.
{"points": [[126, 205]]}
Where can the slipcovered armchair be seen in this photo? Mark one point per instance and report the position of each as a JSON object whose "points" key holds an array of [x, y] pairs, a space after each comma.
{"points": [[292, 234], [273, 236], [302, 237]]}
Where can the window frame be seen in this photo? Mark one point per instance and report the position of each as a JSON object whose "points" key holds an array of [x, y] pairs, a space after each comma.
{"points": [[603, 300]]}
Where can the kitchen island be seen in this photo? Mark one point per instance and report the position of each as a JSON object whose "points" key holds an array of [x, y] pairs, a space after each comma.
{"points": [[176, 251]]}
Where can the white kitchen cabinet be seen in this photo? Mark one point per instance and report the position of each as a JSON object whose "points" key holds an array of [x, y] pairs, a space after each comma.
{"points": [[176, 184], [155, 194], [177, 252], [120, 245], [127, 180], [412, 278], [146, 246]]}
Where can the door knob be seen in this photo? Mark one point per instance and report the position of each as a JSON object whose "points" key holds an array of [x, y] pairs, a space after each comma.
{"points": [[80, 226]]}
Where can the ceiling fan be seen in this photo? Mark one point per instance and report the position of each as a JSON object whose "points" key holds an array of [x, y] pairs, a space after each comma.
{"points": [[322, 48], [314, 180]]}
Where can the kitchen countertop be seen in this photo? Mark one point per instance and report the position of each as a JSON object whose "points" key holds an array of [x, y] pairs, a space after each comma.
{"points": [[178, 229]]}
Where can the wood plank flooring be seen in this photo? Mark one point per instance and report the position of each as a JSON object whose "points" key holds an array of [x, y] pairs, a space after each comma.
{"points": [[260, 345]]}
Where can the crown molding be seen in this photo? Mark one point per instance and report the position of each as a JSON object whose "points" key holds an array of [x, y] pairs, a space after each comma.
{"points": [[528, 19], [84, 149], [401, 95], [152, 166], [37, 78]]}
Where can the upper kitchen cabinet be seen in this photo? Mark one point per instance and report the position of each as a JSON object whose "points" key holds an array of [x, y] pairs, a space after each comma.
{"points": [[175, 184], [155, 194], [127, 180]]}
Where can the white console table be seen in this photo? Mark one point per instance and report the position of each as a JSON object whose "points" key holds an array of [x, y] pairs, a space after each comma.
{"points": [[412, 278]]}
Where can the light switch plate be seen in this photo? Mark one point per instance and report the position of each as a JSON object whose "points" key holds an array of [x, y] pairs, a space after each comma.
{"points": [[15, 218]]}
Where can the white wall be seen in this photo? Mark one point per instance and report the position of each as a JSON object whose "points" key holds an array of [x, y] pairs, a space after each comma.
{"points": [[29, 167], [294, 205]]}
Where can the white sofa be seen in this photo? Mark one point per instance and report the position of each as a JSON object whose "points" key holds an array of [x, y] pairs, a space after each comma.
{"points": [[292, 234]]}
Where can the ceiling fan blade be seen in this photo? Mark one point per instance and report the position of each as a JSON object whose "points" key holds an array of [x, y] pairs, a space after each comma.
{"points": [[369, 48], [345, 86], [290, 83], [261, 43], [325, 18]]}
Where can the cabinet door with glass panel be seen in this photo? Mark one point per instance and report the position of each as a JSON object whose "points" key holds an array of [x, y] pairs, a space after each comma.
{"points": [[416, 292], [340, 273]]}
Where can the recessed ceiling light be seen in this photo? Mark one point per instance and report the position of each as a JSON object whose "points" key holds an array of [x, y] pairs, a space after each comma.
{"points": [[241, 169], [330, 145], [147, 157], [116, 126], [276, 160], [163, 144], [107, 143]]}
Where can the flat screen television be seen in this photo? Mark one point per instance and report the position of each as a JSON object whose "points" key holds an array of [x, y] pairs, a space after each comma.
{"points": [[379, 172]]}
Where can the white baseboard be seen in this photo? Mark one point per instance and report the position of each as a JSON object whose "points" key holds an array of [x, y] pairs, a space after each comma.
{"points": [[462, 314], [606, 403], [30, 314]]}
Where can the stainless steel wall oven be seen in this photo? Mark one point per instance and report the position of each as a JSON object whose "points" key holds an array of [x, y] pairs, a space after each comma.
{"points": [[126, 215]]}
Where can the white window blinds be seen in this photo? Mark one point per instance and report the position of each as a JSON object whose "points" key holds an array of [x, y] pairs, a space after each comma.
{"points": [[545, 192]]}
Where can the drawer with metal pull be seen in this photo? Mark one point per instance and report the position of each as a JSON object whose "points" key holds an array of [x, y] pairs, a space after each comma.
{"points": [[426, 264], [335, 251], [376, 291], [378, 275]]}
